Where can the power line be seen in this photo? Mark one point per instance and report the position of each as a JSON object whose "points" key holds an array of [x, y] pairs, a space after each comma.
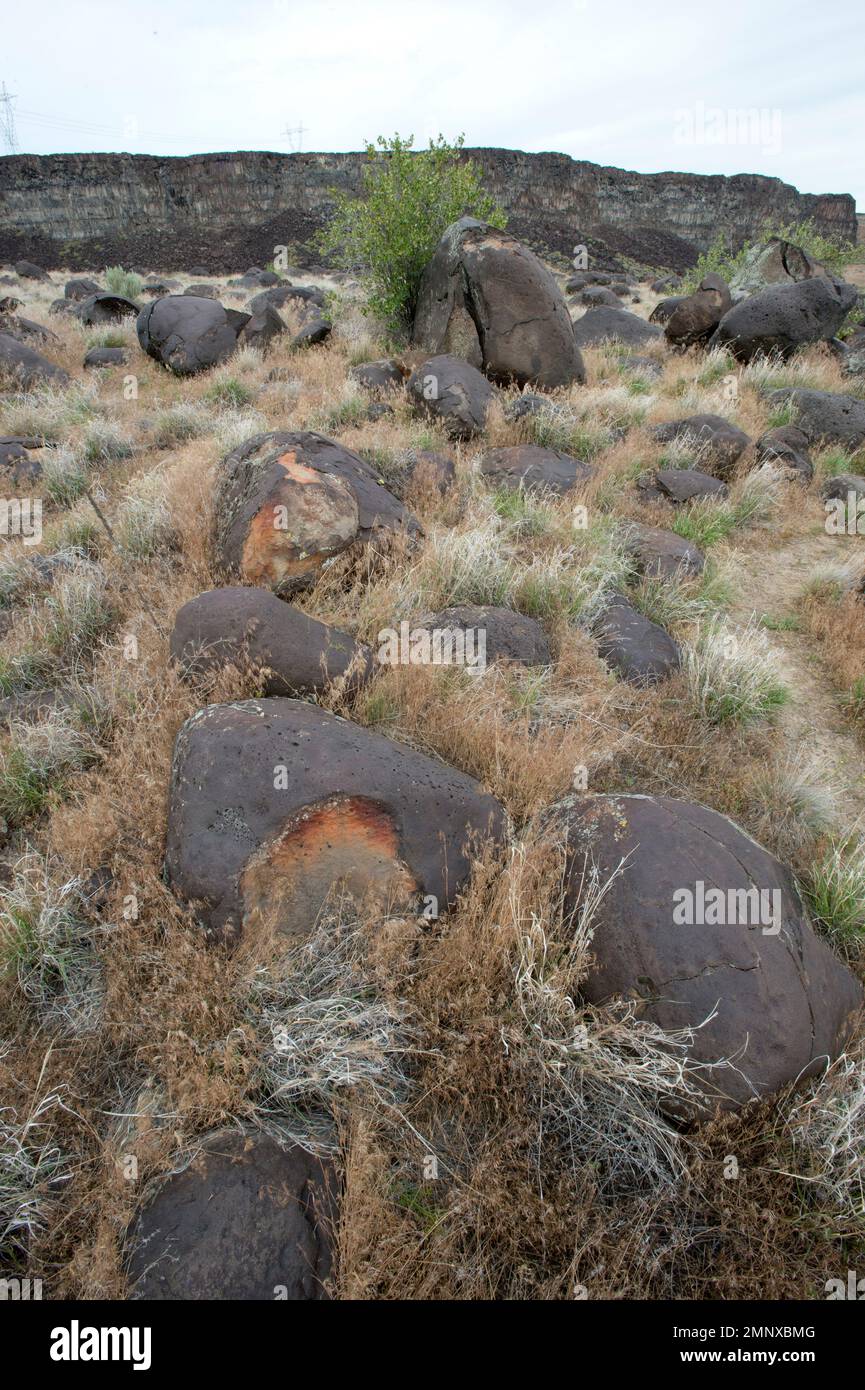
{"points": [[8, 119], [296, 131]]}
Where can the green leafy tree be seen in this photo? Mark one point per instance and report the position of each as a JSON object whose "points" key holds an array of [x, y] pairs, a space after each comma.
{"points": [[388, 235]]}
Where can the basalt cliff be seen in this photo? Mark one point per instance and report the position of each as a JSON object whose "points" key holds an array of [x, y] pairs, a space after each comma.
{"points": [[226, 210]]}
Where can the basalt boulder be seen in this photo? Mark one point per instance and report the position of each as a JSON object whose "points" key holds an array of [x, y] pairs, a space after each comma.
{"points": [[768, 1001], [429, 471], [615, 326], [275, 805], [640, 651], [507, 636], [786, 448], [28, 271], [782, 318], [246, 1220], [825, 416], [774, 262], [81, 289], [188, 334], [686, 484], [534, 468], [665, 308], [105, 308], [287, 503], [25, 368], [486, 297], [105, 357], [261, 328], [716, 441], [453, 392], [696, 318], [385, 375], [661, 553], [290, 652]]}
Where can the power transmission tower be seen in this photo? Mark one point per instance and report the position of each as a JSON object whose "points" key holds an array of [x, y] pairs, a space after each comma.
{"points": [[7, 119], [295, 132]]}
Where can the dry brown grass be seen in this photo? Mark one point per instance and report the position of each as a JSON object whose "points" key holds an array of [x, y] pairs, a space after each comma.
{"points": [[514, 1212]]}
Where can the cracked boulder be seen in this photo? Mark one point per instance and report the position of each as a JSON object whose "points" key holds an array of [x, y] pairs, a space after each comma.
{"points": [[775, 262], [188, 334], [746, 971], [276, 805], [534, 469], [698, 315], [453, 392], [785, 317], [487, 298], [665, 308], [824, 416], [718, 443], [638, 650], [287, 503], [252, 629], [246, 1220]]}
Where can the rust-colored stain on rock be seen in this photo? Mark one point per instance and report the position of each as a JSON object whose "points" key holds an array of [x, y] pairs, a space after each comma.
{"points": [[346, 844], [308, 517]]}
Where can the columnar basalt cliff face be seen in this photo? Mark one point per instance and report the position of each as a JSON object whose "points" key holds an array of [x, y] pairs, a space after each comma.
{"points": [[227, 210]]}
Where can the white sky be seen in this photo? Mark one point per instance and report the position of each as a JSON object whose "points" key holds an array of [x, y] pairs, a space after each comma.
{"points": [[651, 86]]}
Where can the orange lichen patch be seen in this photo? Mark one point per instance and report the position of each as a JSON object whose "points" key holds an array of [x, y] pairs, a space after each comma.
{"points": [[345, 845], [300, 472], [307, 518]]}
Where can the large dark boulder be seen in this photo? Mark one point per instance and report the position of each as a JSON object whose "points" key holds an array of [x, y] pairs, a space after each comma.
{"points": [[825, 416], [594, 295], [275, 804], [776, 1004], [783, 318], [246, 1220], [285, 503], [698, 315], [453, 392], [486, 297], [188, 334], [507, 636], [639, 650], [718, 442], [534, 468], [26, 368], [291, 653], [615, 326]]}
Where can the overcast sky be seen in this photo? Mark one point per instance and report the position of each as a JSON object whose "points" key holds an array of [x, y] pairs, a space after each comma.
{"points": [[739, 86]]}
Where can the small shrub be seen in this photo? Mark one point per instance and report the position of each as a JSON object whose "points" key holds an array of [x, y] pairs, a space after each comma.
{"points": [[123, 282], [389, 235]]}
